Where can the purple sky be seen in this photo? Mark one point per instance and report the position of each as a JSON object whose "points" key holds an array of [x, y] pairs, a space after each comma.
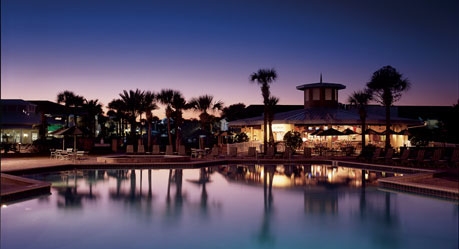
{"points": [[99, 48]]}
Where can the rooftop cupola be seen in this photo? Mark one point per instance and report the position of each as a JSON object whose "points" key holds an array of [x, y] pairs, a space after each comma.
{"points": [[321, 94]]}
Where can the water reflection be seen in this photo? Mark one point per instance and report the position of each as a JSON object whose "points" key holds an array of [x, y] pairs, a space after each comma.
{"points": [[263, 206]]}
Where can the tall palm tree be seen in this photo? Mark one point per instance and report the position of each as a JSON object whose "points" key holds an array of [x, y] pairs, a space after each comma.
{"points": [[148, 106], [132, 106], [93, 108], [360, 99], [205, 104], [166, 97], [272, 102], [116, 107], [71, 101], [179, 104], [264, 77], [387, 85]]}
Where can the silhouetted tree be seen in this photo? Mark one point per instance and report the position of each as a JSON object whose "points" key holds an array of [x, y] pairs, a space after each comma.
{"points": [[205, 104], [387, 85], [360, 99], [264, 77]]}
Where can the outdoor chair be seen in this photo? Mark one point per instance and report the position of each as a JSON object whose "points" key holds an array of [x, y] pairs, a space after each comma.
{"points": [[418, 160], [169, 150], [182, 150], [403, 159], [129, 149], [436, 159], [141, 149], [454, 160], [252, 152], [233, 151], [376, 154], [270, 153], [387, 157], [307, 152], [156, 150]]}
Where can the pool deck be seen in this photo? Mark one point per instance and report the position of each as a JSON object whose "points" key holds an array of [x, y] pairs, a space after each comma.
{"points": [[443, 183]]}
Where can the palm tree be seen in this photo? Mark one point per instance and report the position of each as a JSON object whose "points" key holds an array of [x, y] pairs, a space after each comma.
{"points": [[387, 85], [179, 104], [205, 104], [148, 106], [70, 100], [264, 77], [116, 107], [93, 108], [360, 99], [272, 102], [132, 107], [166, 97]]}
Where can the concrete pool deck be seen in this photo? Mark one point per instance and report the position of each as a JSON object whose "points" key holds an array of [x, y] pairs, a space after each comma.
{"points": [[439, 183]]}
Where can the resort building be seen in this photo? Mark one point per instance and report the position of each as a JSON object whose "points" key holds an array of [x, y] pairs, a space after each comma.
{"points": [[321, 111]]}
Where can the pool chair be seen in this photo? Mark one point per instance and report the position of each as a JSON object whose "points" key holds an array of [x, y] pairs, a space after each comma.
{"points": [[403, 159], [252, 152], [169, 150], [155, 149], [129, 149]]}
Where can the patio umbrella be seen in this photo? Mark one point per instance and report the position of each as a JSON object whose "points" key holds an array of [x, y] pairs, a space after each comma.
{"points": [[371, 132], [71, 131], [349, 132], [331, 132], [316, 132], [404, 132]]}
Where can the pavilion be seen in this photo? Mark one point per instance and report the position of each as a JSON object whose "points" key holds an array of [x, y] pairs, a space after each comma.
{"points": [[322, 111]]}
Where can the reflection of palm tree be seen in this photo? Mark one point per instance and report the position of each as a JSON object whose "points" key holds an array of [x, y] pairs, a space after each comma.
{"points": [[387, 85], [265, 236]]}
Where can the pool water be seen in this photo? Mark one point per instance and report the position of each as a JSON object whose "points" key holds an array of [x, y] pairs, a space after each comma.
{"points": [[227, 207]]}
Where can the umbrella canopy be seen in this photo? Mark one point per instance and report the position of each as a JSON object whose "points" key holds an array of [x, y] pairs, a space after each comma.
{"points": [[371, 132], [390, 132], [317, 132], [349, 132], [71, 131], [404, 132], [331, 132]]}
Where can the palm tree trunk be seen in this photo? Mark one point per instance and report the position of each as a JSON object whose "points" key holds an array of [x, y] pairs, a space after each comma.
{"points": [[265, 131], [387, 127]]}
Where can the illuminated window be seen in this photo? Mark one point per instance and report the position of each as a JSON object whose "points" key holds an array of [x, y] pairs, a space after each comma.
{"points": [[328, 94], [316, 94]]}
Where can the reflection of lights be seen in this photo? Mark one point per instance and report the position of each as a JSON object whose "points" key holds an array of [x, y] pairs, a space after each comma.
{"points": [[366, 176], [4, 206]]}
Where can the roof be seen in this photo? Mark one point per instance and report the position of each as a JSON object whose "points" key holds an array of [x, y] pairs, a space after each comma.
{"points": [[324, 116], [321, 85]]}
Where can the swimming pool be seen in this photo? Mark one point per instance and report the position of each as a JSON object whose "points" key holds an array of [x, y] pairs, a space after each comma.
{"points": [[230, 206]]}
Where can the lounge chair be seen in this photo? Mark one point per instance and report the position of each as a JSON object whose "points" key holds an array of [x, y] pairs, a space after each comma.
{"points": [[454, 160], [129, 149], [387, 157], [403, 159], [156, 150], [233, 151], [182, 150], [141, 149], [252, 152], [376, 155], [169, 150], [307, 152], [418, 160]]}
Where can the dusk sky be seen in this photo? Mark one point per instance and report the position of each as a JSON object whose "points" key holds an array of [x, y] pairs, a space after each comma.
{"points": [[97, 49]]}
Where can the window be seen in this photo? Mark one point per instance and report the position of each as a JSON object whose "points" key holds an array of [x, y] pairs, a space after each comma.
{"points": [[316, 94], [328, 94]]}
